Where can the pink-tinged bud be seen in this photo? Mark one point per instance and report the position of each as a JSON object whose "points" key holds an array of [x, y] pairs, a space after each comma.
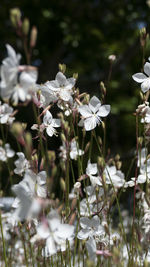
{"points": [[15, 17], [26, 26], [33, 36]]}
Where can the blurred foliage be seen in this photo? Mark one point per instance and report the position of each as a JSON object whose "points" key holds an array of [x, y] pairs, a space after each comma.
{"points": [[82, 34]]}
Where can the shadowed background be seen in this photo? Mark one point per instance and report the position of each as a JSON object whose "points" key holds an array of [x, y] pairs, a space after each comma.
{"points": [[82, 34]]}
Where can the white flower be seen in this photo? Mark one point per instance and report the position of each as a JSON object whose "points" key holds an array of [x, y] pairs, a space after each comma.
{"points": [[91, 248], [92, 113], [91, 171], [142, 78], [74, 150], [92, 195], [23, 90], [30, 187], [50, 124], [146, 117], [15, 86], [61, 86], [6, 152], [55, 233], [6, 114], [142, 155], [22, 164], [114, 176], [90, 228], [46, 95], [9, 68]]}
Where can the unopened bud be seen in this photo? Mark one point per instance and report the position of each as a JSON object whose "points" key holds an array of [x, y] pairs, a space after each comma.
{"points": [[25, 26], [148, 3], [103, 88], [51, 155], [63, 138], [140, 140], [117, 157], [112, 57], [87, 147], [62, 67], [28, 139], [54, 171], [141, 95], [77, 186], [62, 184], [15, 17], [33, 37], [118, 165], [86, 99], [1, 142], [75, 76], [101, 162], [143, 36], [103, 124], [17, 128], [100, 140]]}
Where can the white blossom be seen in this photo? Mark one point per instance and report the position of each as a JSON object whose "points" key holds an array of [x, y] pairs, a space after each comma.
{"points": [[50, 124], [92, 113], [6, 114], [27, 190], [143, 78], [17, 82], [74, 150], [22, 164], [60, 88], [6, 152], [114, 176], [92, 171], [90, 228], [55, 233]]}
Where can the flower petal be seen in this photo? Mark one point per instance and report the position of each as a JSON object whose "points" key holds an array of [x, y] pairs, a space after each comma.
{"points": [[94, 104], [145, 86], [61, 79], [104, 110], [139, 77], [90, 123], [85, 111], [147, 68]]}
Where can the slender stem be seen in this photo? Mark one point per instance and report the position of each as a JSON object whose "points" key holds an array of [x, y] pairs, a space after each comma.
{"points": [[3, 241]]}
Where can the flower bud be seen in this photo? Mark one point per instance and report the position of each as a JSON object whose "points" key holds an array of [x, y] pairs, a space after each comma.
{"points": [[62, 184], [54, 171], [112, 58], [25, 26], [117, 157], [62, 68], [103, 88], [51, 155], [33, 37], [63, 138], [143, 36], [17, 128], [77, 186], [75, 76], [100, 162], [15, 17], [140, 140], [103, 124]]}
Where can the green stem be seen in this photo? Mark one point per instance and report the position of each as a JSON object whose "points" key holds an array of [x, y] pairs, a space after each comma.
{"points": [[3, 241]]}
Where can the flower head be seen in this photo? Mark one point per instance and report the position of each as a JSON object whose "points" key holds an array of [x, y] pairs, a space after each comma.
{"points": [[92, 113], [142, 78], [50, 124], [60, 88]]}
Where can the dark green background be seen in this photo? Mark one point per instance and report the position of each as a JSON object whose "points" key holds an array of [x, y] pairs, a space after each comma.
{"points": [[82, 34]]}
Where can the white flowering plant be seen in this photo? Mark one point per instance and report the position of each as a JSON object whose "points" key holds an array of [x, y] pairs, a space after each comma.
{"points": [[61, 187]]}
